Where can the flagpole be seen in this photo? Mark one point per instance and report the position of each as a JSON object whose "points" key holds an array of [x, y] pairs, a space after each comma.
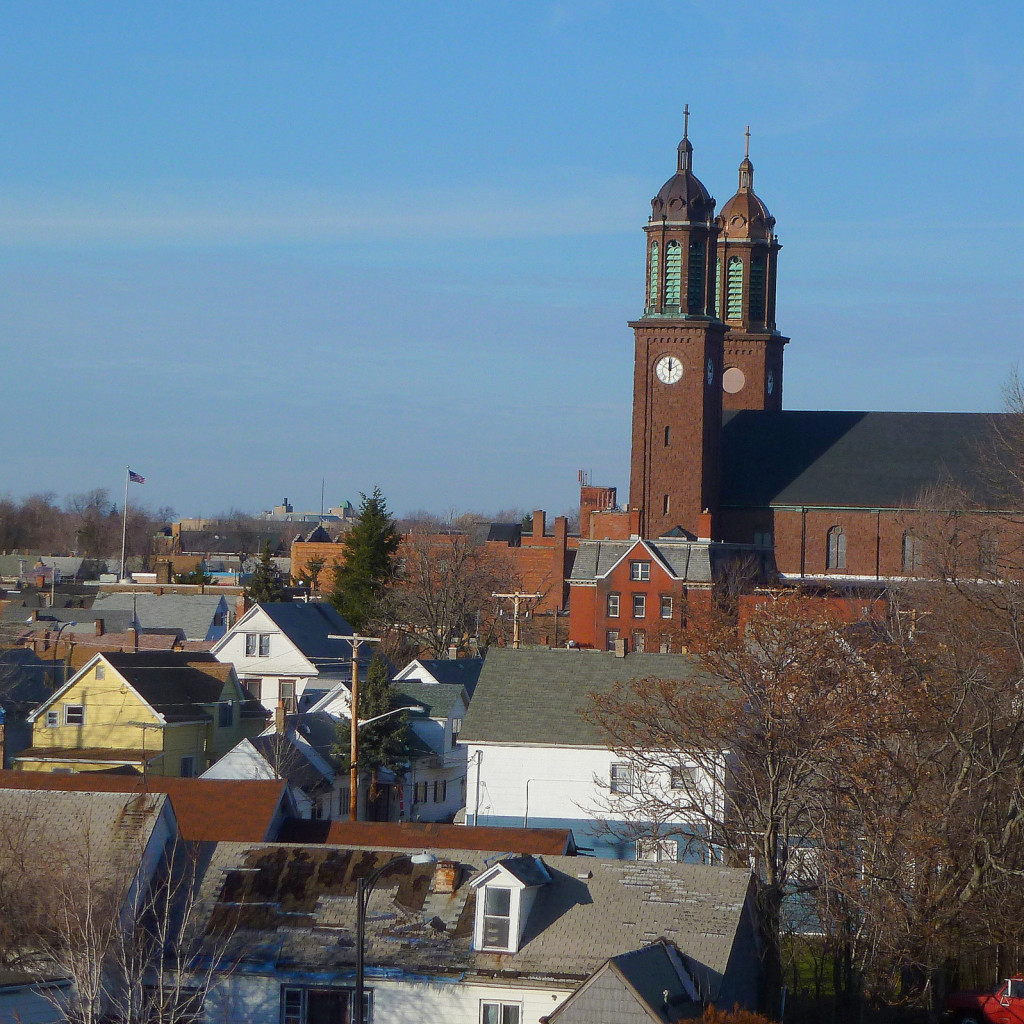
{"points": [[124, 521]]}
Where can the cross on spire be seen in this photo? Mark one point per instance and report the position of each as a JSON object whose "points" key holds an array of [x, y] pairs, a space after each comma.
{"points": [[686, 120], [747, 134]]}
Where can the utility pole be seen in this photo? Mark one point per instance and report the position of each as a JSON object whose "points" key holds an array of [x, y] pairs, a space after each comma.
{"points": [[515, 598], [353, 746]]}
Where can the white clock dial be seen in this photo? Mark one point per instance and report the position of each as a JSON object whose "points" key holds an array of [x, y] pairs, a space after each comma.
{"points": [[669, 369], [770, 382], [711, 372]]}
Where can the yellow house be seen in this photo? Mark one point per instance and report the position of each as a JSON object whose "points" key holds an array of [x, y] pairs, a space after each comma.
{"points": [[157, 712]]}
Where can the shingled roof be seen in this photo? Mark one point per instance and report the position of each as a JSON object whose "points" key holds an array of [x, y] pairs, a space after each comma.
{"points": [[283, 899], [175, 685], [856, 459], [538, 696], [207, 810]]}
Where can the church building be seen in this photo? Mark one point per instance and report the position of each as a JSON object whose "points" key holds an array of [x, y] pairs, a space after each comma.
{"points": [[718, 461]]}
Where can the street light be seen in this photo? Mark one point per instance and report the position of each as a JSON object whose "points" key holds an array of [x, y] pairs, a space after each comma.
{"points": [[364, 889]]}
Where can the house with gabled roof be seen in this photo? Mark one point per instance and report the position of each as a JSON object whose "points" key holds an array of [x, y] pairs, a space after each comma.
{"points": [[197, 617], [535, 758], [646, 592], [470, 938], [291, 652], [158, 713]]}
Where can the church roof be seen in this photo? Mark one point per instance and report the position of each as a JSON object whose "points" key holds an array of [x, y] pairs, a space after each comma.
{"points": [[857, 459]]}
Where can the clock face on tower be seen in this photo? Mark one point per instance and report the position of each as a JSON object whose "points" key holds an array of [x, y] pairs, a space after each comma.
{"points": [[668, 369]]}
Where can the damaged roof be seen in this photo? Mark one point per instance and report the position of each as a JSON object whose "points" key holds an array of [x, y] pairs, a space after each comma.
{"points": [[292, 908]]}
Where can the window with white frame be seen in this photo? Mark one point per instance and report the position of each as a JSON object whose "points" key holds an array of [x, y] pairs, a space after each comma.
{"points": [[610, 639], [639, 606], [52, 719], [613, 606], [101, 671], [456, 729], [264, 645], [500, 1012], [657, 849], [639, 570], [74, 714], [497, 917], [666, 606], [251, 644], [682, 777], [620, 779]]}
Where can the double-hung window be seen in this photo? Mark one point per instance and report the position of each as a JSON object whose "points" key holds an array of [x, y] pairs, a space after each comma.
{"points": [[52, 719], [497, 917], [639, 570], [314, 1005], [666, 606], [74, 714], [500, 1013], [257, 645], [613, 606], [621, 779], [639, 606]]}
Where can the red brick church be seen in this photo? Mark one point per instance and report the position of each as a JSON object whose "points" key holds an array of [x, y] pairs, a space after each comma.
{"points": [[720, 470]]}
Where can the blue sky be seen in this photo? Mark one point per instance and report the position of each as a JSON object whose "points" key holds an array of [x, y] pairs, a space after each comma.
{"points": [[248, 246]]}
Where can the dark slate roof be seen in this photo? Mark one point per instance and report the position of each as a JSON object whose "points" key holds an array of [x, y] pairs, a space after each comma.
{"points": [[855, 459], [652, 973], [285, 899], [174, 684], [310, 624], [686, 560], [461, 671], [537, 696], [437, 698], [193, 614], [506, 533]]}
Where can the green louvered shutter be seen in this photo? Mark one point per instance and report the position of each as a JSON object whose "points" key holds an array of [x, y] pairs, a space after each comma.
{"points": [[673, 272], [758, 276], [734, 289], [718, 286], [695, 279], [652, 295]]}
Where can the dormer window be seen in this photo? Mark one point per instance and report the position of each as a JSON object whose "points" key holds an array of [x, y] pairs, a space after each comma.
{"points": [[497, 917], [505, 894]]}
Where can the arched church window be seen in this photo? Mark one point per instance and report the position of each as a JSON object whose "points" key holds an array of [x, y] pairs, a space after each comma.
{"points": [[836, 548], [734, 289], [695, 278], [758, 278], [911, 552], [652, 295], [673, 274], [718, 287]]}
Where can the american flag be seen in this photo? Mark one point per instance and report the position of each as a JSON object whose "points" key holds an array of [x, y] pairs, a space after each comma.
{"points": [[136, 478]]}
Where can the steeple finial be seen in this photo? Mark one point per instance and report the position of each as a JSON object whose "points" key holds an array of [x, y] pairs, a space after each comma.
{"points": [[685, 161], [746, 167], [746, 151], [686, 120]]}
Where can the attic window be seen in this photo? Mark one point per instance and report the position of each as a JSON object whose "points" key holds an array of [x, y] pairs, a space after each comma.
{"points": [[74, 714], [52, 719], [639, 570], [101, 671], [500, 1013], [497, 917]]}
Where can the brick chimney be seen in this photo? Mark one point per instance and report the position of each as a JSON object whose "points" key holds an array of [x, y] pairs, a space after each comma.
{"points": [[99, 627], [453, 652], [704, 525], [446, 877], [539, 522], [279, 717]]}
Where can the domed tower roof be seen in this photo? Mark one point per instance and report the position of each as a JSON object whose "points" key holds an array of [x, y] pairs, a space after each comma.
{"points": [[745, 216], [683, 198]]}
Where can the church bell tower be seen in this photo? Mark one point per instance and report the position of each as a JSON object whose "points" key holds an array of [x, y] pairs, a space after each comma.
{"points": [[677, 375], [745, 274]]}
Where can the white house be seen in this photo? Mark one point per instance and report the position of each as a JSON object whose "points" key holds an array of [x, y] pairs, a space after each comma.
{"points": [[535, 760], [471, 938], [288, 652]]}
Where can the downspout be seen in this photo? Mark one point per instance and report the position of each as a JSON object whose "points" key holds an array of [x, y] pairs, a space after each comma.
{"points": [[803, 541], [878, 544]]}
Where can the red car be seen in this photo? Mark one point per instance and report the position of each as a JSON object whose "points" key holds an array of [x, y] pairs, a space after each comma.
{"points": [[1003, 1005]]}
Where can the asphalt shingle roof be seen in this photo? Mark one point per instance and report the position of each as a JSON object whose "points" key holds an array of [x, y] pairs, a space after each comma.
{"points": [[281, 898], [462, 671], [437, 698], [191, 613], [855, 459], [687, 560], [537, 696], [309, 626], [174, 684]]}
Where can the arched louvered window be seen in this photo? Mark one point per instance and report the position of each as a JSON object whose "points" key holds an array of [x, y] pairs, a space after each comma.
{"points": [[652, 294], [836, 548], [718, 287], [758, 278], [695, 279], [911, 552], [734, 289], [673, 271]]}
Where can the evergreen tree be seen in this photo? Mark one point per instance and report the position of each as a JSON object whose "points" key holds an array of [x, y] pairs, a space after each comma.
{"points": [[383, 744], [265, 584], [370, 557]]}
